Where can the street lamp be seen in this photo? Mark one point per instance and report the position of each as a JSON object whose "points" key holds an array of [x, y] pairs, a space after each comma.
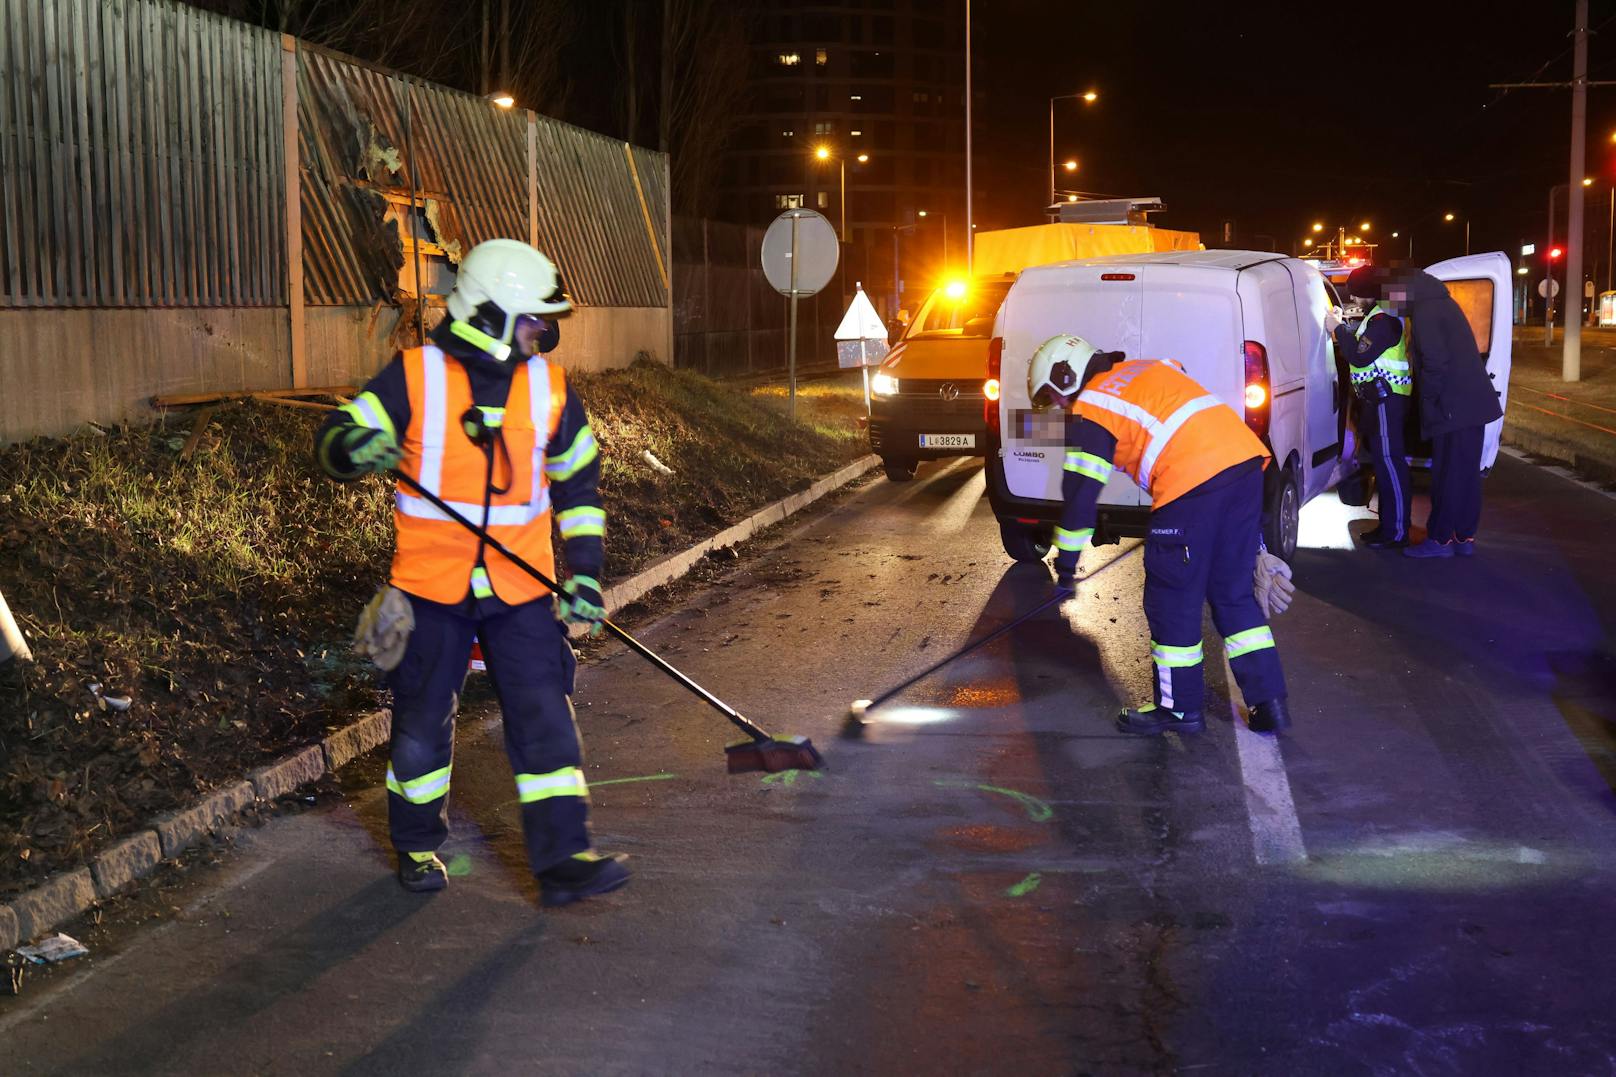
{"points": [[1364, 227], [501, 98], [823, 153], [1318, 226], [1087, 98], [944, 216], [1449, 218]]}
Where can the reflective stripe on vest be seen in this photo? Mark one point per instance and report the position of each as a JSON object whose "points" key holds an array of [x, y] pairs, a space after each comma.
{"points": [[1171, 434], [436, 558], [1391, 364]]}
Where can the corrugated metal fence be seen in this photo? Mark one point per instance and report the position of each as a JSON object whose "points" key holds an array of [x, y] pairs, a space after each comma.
{"points": [[142, 165], [140, 157]]}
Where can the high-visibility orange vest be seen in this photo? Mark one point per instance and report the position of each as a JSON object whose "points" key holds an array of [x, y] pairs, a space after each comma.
{"points": [[435, 556], [1172, 435]]}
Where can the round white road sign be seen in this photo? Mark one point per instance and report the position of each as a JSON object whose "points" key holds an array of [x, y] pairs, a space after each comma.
{"points": [[817, 252], [1548, 287]]}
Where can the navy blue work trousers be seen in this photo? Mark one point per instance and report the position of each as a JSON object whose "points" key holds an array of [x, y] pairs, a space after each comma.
{"points": [[1455, 485], [1382, 426], [1202, 547], [532, 668]]}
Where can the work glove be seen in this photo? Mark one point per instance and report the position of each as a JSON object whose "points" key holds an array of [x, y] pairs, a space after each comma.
{"points": [[1332, 320], [1272, 584], [384, 628], [581, 603], [1066, 571], [371, 450]]}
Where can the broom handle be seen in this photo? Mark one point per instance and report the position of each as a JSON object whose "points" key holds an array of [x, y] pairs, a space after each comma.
{"points": [[746, 725], [1057, 597]]}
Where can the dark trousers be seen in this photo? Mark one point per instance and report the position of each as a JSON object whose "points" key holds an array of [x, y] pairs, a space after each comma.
{"points": [[1455, 485], [532, 666], [1202, 548], [1382, 426]]}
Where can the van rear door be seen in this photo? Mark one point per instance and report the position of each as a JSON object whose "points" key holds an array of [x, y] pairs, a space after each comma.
{"points": [[1098, 302], [1193, 314], [1484, 289]]}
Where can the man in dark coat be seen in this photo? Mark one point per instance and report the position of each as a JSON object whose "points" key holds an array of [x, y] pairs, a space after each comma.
{"points": [[1457, 400]]}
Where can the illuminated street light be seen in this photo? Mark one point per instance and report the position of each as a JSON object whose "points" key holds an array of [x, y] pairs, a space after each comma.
{"points": [[1088, 98], [822, 152], [1364, 227], [1091, 97], [1587, 181], [922, 213], [1396, 234], [501, 98], [1448, 217], [1307, 243], [1318, 227], [863, 158], [1071, 166]]}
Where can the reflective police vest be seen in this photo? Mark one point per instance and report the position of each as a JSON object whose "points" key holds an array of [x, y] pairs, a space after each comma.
{"points": [[1172, 435], [436, 557], [1391, 364]]}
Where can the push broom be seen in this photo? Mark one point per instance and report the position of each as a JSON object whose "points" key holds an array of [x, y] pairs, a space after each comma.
{"points": [[857, 714], [759, 751]]}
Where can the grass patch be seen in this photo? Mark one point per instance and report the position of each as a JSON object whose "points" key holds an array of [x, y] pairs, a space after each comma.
{"points": [[219, 592]]}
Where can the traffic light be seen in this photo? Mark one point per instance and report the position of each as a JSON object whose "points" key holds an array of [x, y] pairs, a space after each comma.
{"points": [[1554, 254]]}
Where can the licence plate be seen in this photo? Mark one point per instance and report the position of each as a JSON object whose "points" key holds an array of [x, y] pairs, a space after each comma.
{"points": [[948, 441]]}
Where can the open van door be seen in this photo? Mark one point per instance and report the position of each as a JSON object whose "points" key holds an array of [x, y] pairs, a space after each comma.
{"points": [[1484, 289]]}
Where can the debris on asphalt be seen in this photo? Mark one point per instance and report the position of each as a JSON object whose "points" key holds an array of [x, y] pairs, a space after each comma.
{"points": [[58, 947]]}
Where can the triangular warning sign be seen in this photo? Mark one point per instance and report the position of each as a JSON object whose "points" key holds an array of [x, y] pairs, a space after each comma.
{"points": [[861, 321]]}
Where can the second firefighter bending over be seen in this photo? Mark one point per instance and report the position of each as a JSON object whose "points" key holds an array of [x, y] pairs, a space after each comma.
{"points": [[478, 418], [1203, 469]]}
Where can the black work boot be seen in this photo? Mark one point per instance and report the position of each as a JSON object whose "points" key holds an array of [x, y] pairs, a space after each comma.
{"points": [[421, 872], [1149, 720], [1270, 716], [583, 875], [1380, 540]]}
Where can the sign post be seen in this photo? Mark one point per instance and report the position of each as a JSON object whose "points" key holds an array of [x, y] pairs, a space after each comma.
{"points": [[800, 252]]}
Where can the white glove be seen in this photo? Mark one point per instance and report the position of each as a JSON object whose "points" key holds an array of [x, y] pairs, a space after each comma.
{"points": [[1272, 584], [1332, 318], [384, 628]]}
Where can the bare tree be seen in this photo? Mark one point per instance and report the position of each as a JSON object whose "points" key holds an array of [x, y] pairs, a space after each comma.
{"points": [[703, 80]]}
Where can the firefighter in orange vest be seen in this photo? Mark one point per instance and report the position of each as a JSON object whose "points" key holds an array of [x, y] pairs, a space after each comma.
{"points": [[1203, 469], [485, 423]]}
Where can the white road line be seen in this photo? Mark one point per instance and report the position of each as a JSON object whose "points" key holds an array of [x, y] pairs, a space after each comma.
{"points": [[1276, 832], [1553, 469]]}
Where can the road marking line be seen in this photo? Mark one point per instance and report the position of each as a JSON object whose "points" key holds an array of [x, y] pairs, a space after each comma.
{"points": [[1276, 832], [1555, 469]]}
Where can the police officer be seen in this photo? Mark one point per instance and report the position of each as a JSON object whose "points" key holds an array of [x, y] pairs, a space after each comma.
{"points": [[480, 420], [1203, 469], [1377, 359]]}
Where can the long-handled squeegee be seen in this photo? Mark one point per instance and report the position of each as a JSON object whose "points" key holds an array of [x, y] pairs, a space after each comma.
{"points": [[856, 714], [759, 752]]}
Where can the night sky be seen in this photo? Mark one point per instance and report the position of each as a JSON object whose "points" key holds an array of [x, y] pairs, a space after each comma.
{"points": [[1278, 114]]}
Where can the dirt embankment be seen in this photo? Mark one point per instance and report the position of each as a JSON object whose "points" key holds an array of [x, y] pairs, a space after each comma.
{"points": [[216, 594]]}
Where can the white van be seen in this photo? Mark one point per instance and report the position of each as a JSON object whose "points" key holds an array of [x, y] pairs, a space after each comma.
{"points": [[1247, 325]]}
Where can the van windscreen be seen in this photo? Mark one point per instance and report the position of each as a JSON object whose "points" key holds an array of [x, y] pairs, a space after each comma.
{"points": [[957, 310]]}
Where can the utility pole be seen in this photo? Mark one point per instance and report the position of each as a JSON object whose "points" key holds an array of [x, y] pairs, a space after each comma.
{"points": [[1571, 357], [970, 208]]}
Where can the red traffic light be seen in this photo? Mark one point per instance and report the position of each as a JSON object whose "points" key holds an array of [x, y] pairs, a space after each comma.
{"points": [[1554, 253]]}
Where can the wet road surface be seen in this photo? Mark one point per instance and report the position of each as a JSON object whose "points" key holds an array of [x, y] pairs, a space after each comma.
{"points": [[1416, 879]]}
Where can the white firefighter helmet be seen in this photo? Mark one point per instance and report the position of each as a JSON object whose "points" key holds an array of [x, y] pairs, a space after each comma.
{"points": [[500, 280], [1056, 368]]}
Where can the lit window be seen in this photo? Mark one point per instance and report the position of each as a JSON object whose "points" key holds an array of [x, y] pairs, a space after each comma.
{"points": [[824, 199], [820, 58], [826, 127], [855, 97], [788, 133], [855, 134], [789, 59], [788, 201]]}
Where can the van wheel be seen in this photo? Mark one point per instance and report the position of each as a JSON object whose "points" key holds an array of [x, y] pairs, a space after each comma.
{"points": [[1282, 516], [1355, 489], [1026, 542], [899, 470]]}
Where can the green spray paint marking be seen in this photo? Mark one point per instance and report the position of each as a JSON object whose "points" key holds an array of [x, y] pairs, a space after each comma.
{"points": [[788, 777], [1037, 810], [459, 864], [1025, 886], [664, 776]]}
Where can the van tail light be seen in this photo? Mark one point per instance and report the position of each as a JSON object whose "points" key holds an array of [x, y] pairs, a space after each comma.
{"points": [[1259, 392], [991, 387]]}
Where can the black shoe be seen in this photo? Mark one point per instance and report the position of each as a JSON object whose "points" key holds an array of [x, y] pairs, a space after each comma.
{"points": [[1150, 720], [421, 876], [1379, 540], [1464, 547], [1269, 717], [584, 875]]}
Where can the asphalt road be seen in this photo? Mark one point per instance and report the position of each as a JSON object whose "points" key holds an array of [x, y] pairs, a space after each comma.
{"points": [[1417, 879]]}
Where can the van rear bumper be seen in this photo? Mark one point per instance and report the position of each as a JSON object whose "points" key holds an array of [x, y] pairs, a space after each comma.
{"points": [[1114, 522]]}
